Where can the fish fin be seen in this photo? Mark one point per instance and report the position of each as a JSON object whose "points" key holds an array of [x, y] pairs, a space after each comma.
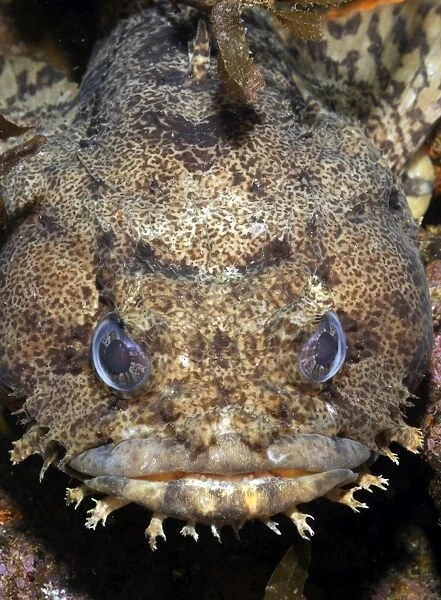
{"points": [[380, 69]]}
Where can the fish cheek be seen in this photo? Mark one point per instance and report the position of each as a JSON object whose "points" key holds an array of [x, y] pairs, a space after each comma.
{"points": [[48, 305]]}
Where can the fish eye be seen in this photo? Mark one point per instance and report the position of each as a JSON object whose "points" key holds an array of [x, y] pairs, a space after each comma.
{"points": [[323, 354], [118, 360]]}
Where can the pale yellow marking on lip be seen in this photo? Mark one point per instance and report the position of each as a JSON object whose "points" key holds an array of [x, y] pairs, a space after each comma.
{"points": [[290, 473], [251, 500]]}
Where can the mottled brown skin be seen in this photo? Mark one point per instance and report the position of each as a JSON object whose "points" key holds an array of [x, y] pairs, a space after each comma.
{"points": [[220, 233]]}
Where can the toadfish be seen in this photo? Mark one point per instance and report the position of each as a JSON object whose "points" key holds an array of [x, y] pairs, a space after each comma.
{"points": [[211, 308]]}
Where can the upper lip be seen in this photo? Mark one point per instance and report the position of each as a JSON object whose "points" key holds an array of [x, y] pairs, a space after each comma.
{"points": [[140, 457]]}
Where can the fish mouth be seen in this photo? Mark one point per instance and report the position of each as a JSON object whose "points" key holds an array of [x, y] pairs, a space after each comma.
{"points": [[228, 483]]}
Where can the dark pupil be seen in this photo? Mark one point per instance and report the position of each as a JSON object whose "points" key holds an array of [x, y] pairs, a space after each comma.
{"points": [[116, 357], [325, 349]]}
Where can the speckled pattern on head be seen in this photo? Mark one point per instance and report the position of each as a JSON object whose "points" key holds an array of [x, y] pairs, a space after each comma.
{"points": [[218, 234]]}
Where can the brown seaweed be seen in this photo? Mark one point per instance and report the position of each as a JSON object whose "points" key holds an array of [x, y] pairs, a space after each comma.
{"points": [[8, 129], [241, 77], [288, 579]]}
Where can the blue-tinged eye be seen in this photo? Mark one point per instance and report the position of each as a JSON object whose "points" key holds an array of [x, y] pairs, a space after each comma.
{"points": [[323, 354], [119, 361]]}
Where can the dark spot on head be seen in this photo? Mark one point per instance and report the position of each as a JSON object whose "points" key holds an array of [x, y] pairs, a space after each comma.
{"points": [[223, 347], [84, 144], [69, 352], [357, 213], [86, 292], [326, 273], [221, 341], [224, 394], [348, 323], [283, 411], [144, 252], [238, 177], [49, 223], [67, 360], [107, 240], [166, 409], [153, 186], [81, 333], [360, 349], [278, 249]]}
